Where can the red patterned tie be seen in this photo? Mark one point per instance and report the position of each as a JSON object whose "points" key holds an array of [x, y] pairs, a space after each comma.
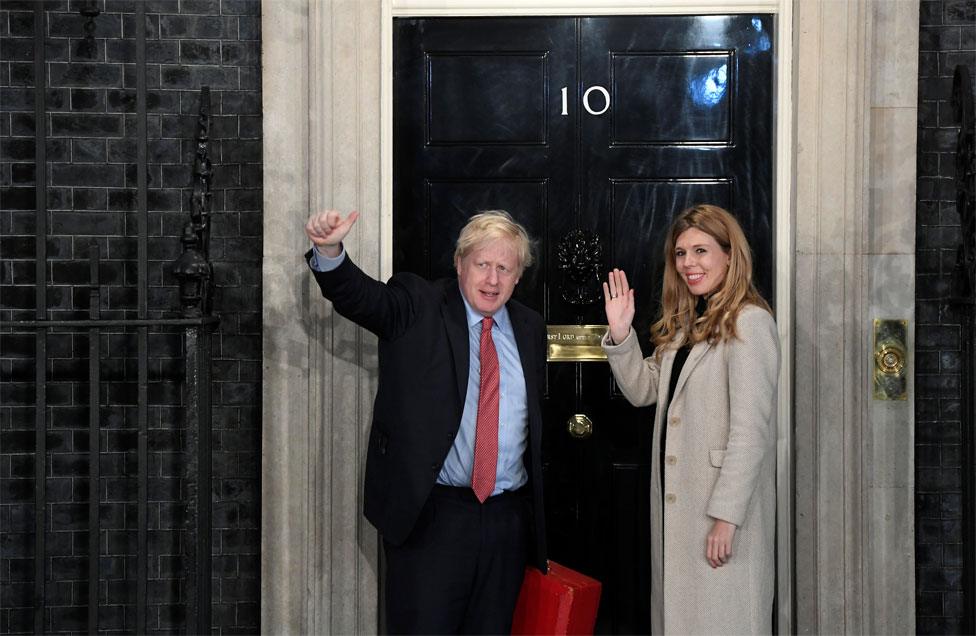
{"points": [[486, 431]]}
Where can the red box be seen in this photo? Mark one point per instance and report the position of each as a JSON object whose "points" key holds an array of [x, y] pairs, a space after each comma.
{"points": [[561, 602]]}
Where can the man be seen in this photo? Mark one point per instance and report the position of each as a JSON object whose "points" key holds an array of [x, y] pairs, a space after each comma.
{"points": [[453, 470]]}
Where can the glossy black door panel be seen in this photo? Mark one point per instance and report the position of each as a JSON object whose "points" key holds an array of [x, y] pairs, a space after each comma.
{"points": [[671, 98], [503, 98], [476, 128], [513, 113], [694, 101]]}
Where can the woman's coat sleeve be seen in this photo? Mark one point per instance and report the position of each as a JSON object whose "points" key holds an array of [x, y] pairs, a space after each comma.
{"points": [[636, 376]]}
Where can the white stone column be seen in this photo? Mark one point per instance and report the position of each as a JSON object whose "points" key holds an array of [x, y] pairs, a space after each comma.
{"points": [[319, 556], [856, 77]]}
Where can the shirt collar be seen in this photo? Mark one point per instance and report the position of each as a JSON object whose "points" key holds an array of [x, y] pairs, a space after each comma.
{"points": [[501, 317]]}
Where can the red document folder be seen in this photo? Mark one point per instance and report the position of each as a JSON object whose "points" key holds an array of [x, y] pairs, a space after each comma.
{"points": [[561, 602]]}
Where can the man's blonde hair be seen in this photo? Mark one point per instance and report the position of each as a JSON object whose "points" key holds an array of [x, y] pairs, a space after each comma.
{"points": [[490, 225]]}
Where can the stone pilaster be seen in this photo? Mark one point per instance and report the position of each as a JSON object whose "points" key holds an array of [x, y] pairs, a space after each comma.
{"points": [[856, 70], [322, 122]]}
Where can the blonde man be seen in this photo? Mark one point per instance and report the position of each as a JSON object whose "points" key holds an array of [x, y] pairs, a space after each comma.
{"points": [[453, 472]]}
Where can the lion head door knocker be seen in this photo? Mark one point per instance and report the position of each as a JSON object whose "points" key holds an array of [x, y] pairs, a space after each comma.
{"points": [[579, 255]]}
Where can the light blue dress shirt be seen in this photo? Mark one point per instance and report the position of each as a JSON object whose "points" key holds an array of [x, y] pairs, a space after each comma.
{"points": [[513, 413]]}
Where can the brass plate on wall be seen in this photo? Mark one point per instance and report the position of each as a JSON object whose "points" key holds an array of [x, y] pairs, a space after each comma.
{"points": [[890, 359], [575, 343]]}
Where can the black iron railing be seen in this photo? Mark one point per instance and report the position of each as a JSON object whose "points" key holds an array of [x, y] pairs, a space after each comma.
{"points": [[195, 273]]}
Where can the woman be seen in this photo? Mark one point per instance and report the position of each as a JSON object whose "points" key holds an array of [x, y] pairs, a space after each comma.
{"points": [[713, 376]]}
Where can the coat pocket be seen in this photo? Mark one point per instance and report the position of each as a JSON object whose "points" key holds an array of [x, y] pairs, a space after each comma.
{"points": [[716, 457]]}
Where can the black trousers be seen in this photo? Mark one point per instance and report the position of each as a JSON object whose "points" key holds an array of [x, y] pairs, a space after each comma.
{"points": [[461, 569]]}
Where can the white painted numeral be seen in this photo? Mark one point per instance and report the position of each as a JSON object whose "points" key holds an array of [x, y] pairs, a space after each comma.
{"points": [[586, 100], [565, 101]]}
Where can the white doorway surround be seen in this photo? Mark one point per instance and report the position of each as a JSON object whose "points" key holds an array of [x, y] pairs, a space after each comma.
{"points": [[846, 107]]}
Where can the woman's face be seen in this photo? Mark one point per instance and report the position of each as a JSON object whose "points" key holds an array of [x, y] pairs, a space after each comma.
{"points": [[700, 261]]}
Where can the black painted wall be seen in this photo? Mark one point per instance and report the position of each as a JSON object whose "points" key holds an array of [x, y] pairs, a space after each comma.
{"points": [[947, 38], [91, 196]]}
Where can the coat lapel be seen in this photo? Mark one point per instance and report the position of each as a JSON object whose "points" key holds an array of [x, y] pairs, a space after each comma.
{"points": [[667, 363], [694, 357], [456, 323]]}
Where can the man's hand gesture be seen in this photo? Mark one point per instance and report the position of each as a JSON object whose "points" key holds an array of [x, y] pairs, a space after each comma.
{"points": [[327, 229]]}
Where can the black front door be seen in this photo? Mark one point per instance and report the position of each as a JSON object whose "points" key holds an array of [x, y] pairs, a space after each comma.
{"points": [[605, 125]]}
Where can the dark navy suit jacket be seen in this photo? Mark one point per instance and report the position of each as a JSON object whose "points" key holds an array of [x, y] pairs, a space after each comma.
{"points": [[423, 377]]}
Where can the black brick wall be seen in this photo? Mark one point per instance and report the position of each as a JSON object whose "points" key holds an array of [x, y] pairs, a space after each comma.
{"points": [[947, 38], [91, 197]]}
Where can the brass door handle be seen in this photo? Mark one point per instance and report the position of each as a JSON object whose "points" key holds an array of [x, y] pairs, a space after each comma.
{"points": [[579, 426]]}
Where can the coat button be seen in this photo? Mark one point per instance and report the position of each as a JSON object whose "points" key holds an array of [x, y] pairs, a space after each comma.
{"points": [[670, 498], [675, 421], [670, 460], [450, 437], [435, 466]]}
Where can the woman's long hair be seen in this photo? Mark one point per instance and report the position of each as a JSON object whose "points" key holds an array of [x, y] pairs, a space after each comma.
{"points": [[724, 304]]}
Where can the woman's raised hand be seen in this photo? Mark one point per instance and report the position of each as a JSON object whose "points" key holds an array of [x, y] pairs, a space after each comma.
{"points": [[327, 229], [618, 300]]}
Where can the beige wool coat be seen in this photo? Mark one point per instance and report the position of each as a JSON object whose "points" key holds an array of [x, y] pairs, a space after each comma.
{"points": [[719, 464]]}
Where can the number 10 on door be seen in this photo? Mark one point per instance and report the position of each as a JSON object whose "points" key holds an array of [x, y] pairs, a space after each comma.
{"points": [[586, 100]]}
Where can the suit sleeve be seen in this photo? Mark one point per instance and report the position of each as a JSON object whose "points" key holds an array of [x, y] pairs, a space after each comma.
{"points": [[636, 376], [384, 309], [753, 370]]}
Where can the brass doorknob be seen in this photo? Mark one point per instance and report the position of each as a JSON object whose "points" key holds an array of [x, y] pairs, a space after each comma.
{"points": [[579, 426]]}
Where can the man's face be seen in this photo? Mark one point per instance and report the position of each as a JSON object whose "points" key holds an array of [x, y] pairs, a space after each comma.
{"points": [[488, 275]]}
